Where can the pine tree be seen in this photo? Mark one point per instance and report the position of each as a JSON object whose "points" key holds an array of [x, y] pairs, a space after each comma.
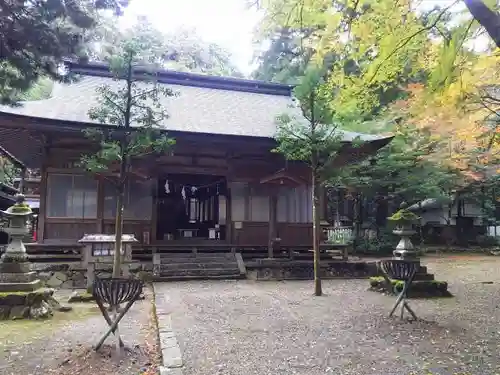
{"points": [[133, 115], [314, 140]]}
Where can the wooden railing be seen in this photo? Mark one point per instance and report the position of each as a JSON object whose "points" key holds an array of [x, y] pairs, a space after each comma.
{"points": [[338, 235]]}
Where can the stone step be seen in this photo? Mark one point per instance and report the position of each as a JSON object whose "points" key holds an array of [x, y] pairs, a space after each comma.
{"points": [[424, 277], [20, 287], [196, 260], [204, 265], [198, 256], [18, 277], [199, 272], [199, 277]]}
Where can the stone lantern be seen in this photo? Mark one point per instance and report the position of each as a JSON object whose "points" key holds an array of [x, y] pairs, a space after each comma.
{"points": [[17, 228], [15, 272], [404, 220]]}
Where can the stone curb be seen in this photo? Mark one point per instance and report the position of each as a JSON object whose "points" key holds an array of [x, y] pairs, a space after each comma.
{"points": [[170, 350]]}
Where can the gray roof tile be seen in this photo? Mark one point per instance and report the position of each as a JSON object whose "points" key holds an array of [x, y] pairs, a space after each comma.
{"points": [[194, 109]]}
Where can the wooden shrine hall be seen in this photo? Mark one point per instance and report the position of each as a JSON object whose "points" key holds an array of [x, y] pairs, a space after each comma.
{"points": [[221, 182]]}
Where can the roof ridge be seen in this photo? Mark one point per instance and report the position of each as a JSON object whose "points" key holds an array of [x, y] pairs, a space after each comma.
{"points": [[189, 79]]}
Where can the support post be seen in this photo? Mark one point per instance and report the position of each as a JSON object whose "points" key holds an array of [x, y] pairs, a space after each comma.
{"points": [[273, 208], [22, 183]]}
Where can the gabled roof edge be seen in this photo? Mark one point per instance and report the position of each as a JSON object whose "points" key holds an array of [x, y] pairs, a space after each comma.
{"points": [[189, 79]]}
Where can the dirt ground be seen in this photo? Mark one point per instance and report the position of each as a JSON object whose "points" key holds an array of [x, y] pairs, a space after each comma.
{"points": [[245, 327], [63, 344]]}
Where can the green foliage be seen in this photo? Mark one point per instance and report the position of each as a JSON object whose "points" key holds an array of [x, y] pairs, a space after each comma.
{"points": [[384, 243], [488, 241], [41, 89], [310, 135], [132, 113], [43, 34], [181, 50], [20, 208], [285, 60], [403, 216], [427, 288], [7, 171], [408, 169]]}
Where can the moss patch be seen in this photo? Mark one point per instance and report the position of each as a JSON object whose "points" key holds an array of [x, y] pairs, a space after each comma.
{"points": [[418, 289], [21, 331]]}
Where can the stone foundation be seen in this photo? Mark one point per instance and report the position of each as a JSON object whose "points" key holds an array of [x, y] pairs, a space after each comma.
{"points": [[277, 269], [72, 276], [39, 304]]}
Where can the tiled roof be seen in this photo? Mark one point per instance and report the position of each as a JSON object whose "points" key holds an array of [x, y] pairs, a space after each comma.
{"points": [[221, 106]]}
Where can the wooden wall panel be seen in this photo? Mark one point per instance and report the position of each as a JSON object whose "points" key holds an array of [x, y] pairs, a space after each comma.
{"points": [[136, 227], [295, 234], [70, 230], [257, 234]]}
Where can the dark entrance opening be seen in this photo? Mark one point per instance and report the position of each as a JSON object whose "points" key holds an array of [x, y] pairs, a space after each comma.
{"points": [[191, 207]]}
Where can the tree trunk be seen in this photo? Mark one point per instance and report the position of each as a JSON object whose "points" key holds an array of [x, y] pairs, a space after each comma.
{"points": [[316, 233], [117, 259], [489, 19]]}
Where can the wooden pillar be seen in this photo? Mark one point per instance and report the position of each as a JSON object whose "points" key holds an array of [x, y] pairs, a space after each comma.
{"points": [[154, 212], [229, 217], [22, 183], [247, 207], [42, 214], [273, 222]]}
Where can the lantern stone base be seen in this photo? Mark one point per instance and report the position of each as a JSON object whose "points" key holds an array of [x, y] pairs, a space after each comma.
{"points": [[17, 277], [14, 257], [38, 304]]}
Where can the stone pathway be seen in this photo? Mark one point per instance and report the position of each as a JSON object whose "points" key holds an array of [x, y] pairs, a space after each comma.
{"points": [[244, 327]]}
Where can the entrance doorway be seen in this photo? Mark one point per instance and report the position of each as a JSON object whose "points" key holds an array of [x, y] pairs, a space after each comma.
{"points": [[191, 207]]}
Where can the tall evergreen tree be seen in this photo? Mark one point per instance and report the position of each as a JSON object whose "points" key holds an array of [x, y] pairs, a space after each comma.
{"points": [[132, 114], [35, 36]]}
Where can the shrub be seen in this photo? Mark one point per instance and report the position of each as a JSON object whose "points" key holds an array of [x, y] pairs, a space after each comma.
{"points": [[487, 241], [427, 288], [384, 243]]}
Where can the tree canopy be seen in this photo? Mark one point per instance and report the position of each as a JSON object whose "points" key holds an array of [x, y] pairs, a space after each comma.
{"points": [[36, 36], [181, 50], [394, 67]]}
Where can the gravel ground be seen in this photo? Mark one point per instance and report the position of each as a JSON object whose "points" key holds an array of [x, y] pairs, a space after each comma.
{"points": [[245, 327], [63, 345]]}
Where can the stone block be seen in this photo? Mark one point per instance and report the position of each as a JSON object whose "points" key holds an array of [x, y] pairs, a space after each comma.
{"points": [[168, 341], [172, 357], [39, 304], [4, 312], [164, 323], [22, 267], [17, 277], [170, 371], [57, 279], [14, 257], [20, 287], [13, 300], [67, 284], [19, 312], [41, 311]]}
